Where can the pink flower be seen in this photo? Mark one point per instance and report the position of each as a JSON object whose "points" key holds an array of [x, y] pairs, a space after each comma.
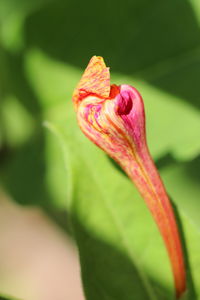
{"points": [[113, 118]]}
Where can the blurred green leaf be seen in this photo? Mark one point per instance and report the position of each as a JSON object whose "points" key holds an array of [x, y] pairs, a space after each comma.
{"points": [[24, 174], [155, 47], [13, 14], [158, 56], [157, 42], [18, 124]]}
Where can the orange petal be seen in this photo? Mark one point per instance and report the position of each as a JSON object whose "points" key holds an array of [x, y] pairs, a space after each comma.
{"points": [[95, 80]]}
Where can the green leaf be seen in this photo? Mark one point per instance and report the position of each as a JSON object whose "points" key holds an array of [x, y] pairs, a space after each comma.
{"points": [[106, 212], [119, 245]]}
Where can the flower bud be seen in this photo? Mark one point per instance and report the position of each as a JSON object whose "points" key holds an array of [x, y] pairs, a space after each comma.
{"points": [[113, 118]]}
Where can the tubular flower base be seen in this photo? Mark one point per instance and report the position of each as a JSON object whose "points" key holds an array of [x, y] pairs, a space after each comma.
{"points": [[113, 118]]}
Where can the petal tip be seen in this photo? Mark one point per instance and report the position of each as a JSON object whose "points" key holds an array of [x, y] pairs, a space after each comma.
{"points": [[95, 80]]}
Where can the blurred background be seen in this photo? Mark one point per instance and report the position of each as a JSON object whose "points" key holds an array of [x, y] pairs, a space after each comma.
{"points": [[44, 47]]}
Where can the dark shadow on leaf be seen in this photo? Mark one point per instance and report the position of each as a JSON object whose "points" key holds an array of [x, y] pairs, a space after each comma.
{"points": [[107, 272], [191, 292], [116, 165], [165, 161], [192, 169]]}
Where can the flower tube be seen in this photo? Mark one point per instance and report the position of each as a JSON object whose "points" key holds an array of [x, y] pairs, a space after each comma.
{"points": [[113, 118]]}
